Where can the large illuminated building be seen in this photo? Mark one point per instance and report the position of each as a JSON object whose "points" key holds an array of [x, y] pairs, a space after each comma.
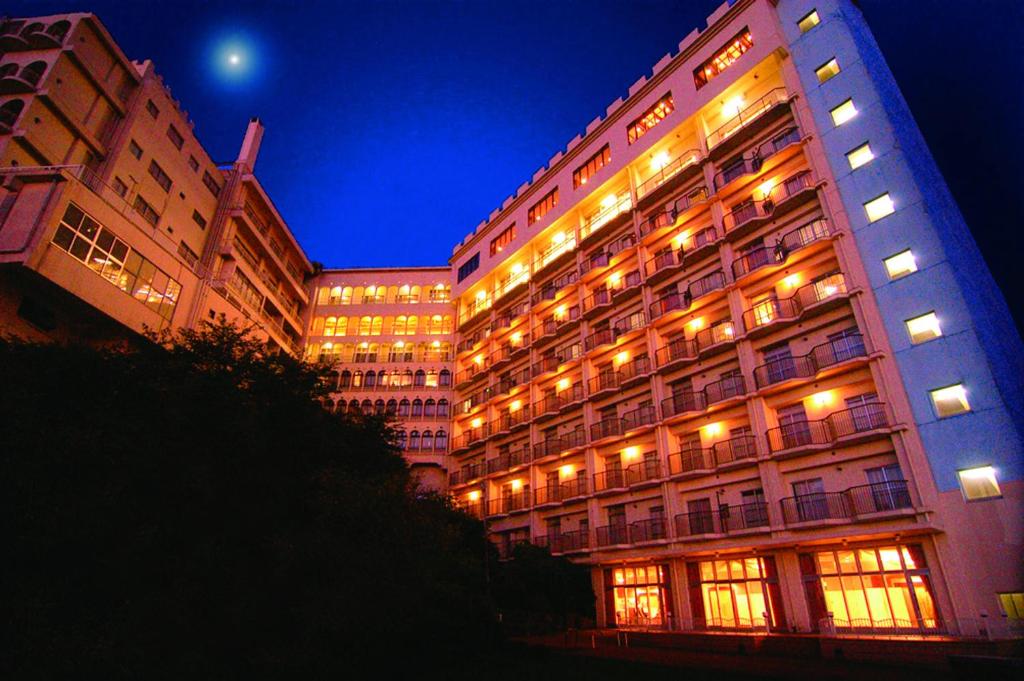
{"points": [[388, 332], [734, 347], [113, 217]]}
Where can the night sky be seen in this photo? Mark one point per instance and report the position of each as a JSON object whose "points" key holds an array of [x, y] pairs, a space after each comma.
{"points": [[393, 128]]}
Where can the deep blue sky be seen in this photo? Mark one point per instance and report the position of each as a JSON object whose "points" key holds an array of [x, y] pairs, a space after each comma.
{"points": [[393, 128]]}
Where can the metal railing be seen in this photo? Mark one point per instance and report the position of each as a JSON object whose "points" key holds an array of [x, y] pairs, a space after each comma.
{"points": [[864, 418], [807, 366], [651, 529], [848, 504], [789, 242], [773, 310], [745, 117], [667, 172]]}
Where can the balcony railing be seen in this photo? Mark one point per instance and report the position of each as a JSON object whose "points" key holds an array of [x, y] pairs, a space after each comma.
{"points": [[725, 388], [607, 427], [695, 524], [788, 243], [556, 494], [752, 209], [807, 366], [745, 117], [683, 402], [663, 262], [602, 297], [639, 417], [743, 517], [611, 535], [755, 161], [607, 213], [722, 453], [629, 323], [513, 503], [697, 241], [545, 364], [828, 431], [772, 310], [551, 327], [644, 471], [683, 300], [676, 350], [854, 502], [513, 419], [549, 290], [668, 216], [667, 172], [471, 436], [554, 252], [597, 339], [651, 529], [565, 542]]}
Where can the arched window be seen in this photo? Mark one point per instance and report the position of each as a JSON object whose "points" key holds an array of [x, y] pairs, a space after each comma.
{"points": [[392, 294], [330, 325], [371, 379], [58, 30], [328, 404], [346, 295], [403, 407], [445, 377], [414, 440], [377, 326], [399, 328], [403, 294], [427, 442], [32, 73], [318, 327], [346, 379], [353, 406], [357, 295], [357, 379], [392, 406], [332, 381], [407, 377], [378, 407], [334, 297], [420, 378], [446, 324], [323, 294], [325, 352], [441, 441], [10, 111], [8, 70], [414, 294], [417, 407], [367, 407], [431, 379], [442, 407], [32, 28], [400, 439], [429, 407], [364, 325], [410, 325], [371, 355], [369, 295], [341, 327]]}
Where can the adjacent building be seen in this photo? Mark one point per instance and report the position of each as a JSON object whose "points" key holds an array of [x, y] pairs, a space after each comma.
{"points": [[734, 348]]}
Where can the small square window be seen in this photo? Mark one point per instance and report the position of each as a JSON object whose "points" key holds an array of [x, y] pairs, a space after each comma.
{"points": [[809, 21], [843, 112], [859, 156], [901, 264], [134, 149], [827, 70], [950, 401], [923, 328], [879, 207], [1013, 605], [979, 483]]}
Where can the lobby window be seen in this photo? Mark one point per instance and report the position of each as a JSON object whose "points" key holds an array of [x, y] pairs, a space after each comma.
{"points": [[827, 70], [467, 268], [979, 483], [843, 112], [723, 59], [134, 149], [859, 156], [175, 137], [1013, 605], [650, 118], [879, 207], [809, 21], [211, 183], [950, 401], [198, 219], [901, 264], [506, 237], [923, 328], [542, 207], [582, 175], [160, 176], [639, 594], [735, 592], [152, 109]]}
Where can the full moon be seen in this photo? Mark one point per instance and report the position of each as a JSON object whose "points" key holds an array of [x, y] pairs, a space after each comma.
{"points": [[234, 59]]}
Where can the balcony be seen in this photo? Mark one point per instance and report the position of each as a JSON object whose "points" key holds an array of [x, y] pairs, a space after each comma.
{"points": [[564, 542], [570, 397], [606, 215], [810, 365], [737, 450], [676, 351], [649, 530], [554, 254], [597, 339], [746, 119], [598, 300], [512, 420], [546, 364], [509, 285], [698, 245], [669, 175], [639, 418], [841, 427], [863, 502], [754, 163], [469, 342], [549, 290], [726, 388], [714, 337], [552, 326], [612, 535], [727, 519], [605, 428], [788, 243], [561, 493], [683, 301], [669, 215], [746, 215], [696, 524], [474, 310], [663, 264], [602, 257], [467, 474], [517, 502], [513, 380], [626, 325], [767, 313], [683, 402]]}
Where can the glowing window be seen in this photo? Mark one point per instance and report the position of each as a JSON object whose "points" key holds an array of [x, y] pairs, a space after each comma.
{"points": [[859, 156], [542, 207], [923, 328], [901, 264], [724, 59], [843, 112], [582, 175], [827, 70], [650, 118], [879, 207], [979, 483], [506, 237], [809, 21], [950, 401], [1013, 605]]}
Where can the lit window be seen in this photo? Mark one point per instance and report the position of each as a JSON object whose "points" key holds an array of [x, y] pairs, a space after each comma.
{"points": [[923, 328], [809, 21], [950, 401], [1013, 605], [650, 118], [843, 112], [582, 175], [860, 156], [901, 264], [827, 70], [541, 208], [879, 207], [740, 43], [979, 483]]}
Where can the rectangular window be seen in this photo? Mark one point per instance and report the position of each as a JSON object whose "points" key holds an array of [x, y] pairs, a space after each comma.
{"points": [[542, 207], [467, 268], [1013, 605], [923, 328], [175, 137], [134, 149], [114, 260], [650, 118], [504, 239], [735, 592], [809, 21], [152, 109], [119, 187], [187, 254], [160, 176], [827, 70], [843, 113], [950, 401], [211, 183], [725, 58], [193, 164], [979, 483], [582, 175], [879, 207], [147, 211], [198, 219], [900, 265], [859, 156]]}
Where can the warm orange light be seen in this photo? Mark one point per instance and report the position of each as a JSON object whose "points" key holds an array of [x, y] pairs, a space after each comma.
{"points": [[474, 495], [823, 399], [517, 268], [436, 344], [765, 188], [696, 324], [792, 280], [563, 384], [399, 344], [622, 357], [712, 430], [609, 201], [481, 294], [659, 160], [479, 359], [475, 423], [631, 452], [614, 278], [515, 405], [517, 485], [733, 106], [558, 237], [728, 331], [560, 312], [516, 337], [567, 470]]}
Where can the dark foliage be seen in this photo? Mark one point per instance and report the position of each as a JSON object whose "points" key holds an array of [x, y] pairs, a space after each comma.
{"points": [[537, 592]]}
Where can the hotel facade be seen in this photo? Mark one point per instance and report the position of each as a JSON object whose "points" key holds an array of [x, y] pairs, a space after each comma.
{"points": [[734, 348]]}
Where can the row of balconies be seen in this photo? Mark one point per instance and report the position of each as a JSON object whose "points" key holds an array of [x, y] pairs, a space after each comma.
{"points": [[840, 428], [16, 35]]}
